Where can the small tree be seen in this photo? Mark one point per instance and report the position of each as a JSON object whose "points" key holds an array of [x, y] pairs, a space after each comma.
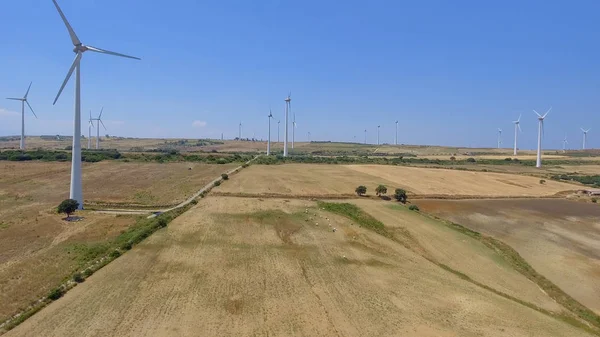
{"points": [[68, 206], [400, 195], [381, 190], [453, 158], [225, 176], [542, 181], [361, 190]]}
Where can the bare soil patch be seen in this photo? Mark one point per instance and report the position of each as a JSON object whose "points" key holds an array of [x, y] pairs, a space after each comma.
{"points": [[559, 238]]}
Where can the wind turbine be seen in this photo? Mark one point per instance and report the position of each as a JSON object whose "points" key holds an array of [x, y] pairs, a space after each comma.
{"points": [[538, 162], [240, 131], [365, 136], [565, 142], [585, 132], [76, 191], [288, 104], [269, 141], [396, 140], [378, 126], [309, 136], [99, 121], [90, 126], [499, 137], [293, 126], [278, 123], [23, 101], [517, 128]]}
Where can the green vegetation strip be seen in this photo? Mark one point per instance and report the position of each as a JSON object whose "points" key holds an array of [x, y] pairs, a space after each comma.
{"points": [[514, 259], [92, 257]]}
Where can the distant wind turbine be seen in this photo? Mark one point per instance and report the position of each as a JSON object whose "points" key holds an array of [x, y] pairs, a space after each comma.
{"points": [[23, 101], [499, 137], [240, 131], [76, 191], [396, 139], [288, 104], [309, 136], [585, 132], [565, 142], [90, 126], [538, 162], [365, 136], [99, 121], [278, 122], [269, 140], [378, 126], [517, 129]]}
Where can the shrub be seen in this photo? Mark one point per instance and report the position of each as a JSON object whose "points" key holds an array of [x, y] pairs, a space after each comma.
{"points": [[381, 190], [400, 195], [194, 202], [217, 183], [507, 159], [245, 165], [225, 176], [453, 158], [594, 200], [56, 293], [115, 253], [542, 181], [162, 222], [77, 277], [361, 190], [413, 207], [471, 160]]}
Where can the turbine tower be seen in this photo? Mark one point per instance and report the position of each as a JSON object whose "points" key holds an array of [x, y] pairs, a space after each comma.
{"points": [[538, 162], [499, 137], [396, 139], [240, 131], [293, 128], [565, 142], [76, 191], [99, 121], [23, 101], [585, 132], [90, 126], [365, 136], [278, 123], [288, 103], [309, 136], [378, 126], [517, 129], [269, 141]]}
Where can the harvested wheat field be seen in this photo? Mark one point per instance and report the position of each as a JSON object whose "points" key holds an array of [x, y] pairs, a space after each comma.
{"points": [[326, 180], [251, 267], [38, 249], [559, 238]]}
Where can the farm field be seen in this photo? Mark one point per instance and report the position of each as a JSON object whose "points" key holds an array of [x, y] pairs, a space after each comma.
{"points": [[559, 238], [38, 249], [330, 180], [258, 267]]}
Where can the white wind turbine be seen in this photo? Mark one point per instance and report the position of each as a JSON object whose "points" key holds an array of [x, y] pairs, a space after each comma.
{"points": [[565, 142], [76, 191], [365, 136], [99, 121], [269, 141], [585, 132], [288, 105], [23, 101], [90, 126], [240, 131], [517, 130], [396, 139], [499, 137], [378, 126], [309, 136], [538, 162]]}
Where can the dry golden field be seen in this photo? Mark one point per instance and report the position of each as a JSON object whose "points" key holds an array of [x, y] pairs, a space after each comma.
{"points": [[559, 238], [38, 249], [330, 180], [252, 267]]}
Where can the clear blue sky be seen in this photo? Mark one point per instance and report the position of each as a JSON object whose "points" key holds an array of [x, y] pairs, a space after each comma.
{"points": [[452, 72]]}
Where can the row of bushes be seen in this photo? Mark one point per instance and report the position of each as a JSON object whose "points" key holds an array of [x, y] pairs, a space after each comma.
{"points": [[593, 180]]}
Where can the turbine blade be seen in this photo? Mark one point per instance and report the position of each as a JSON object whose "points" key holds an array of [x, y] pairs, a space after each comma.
{"points": [[519, 126], [74, 37], [102, 51], [27, 93], [31, 109], [15, 99], [518, 120], [101, 122], [546, 114], [537, 113], [100, 116], [582, 130], [75, 64]]}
